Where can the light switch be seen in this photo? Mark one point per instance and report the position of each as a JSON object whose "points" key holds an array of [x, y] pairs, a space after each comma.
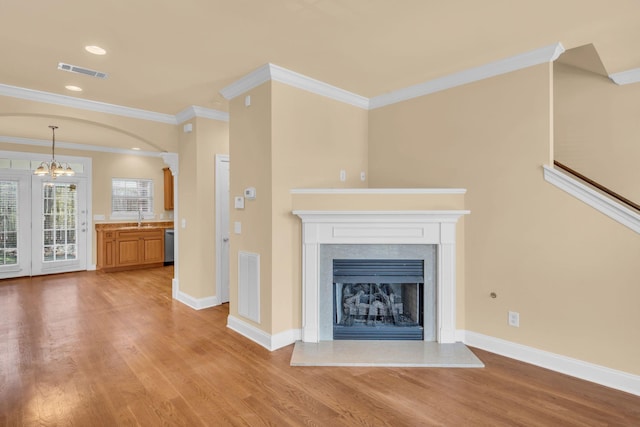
{"points": [[183, 223], [239, 202], [237, 227]]}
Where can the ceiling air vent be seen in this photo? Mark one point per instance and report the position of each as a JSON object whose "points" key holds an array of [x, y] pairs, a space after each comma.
{"points": [[79, 70]]}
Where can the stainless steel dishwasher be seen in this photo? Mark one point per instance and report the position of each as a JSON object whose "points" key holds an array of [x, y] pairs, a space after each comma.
{"points": [[168, 246]]}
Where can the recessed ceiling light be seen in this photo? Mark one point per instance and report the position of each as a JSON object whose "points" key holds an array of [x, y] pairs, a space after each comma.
{"points": [[73, 88], [135, 148], [96, 50]]}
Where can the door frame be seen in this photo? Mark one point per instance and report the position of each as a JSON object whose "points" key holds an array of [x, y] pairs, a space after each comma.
{"points": [[22, 162], [219, 158]]}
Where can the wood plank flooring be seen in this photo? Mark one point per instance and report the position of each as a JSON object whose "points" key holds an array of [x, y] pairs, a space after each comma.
{"points": [[111, 349]]}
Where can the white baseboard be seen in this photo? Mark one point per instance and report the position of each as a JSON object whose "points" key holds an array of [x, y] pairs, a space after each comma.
{"points": [[268, 341], [197, 303], [175, 288], [618, 380]]}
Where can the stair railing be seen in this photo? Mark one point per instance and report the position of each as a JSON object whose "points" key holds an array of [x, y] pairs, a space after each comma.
{"points": [[600, 187]]}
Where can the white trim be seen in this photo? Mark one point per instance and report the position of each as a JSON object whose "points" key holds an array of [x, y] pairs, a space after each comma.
{"points": [[197, 303], [73, 146], [219, 158], [195, 111], [379, 227], [175, 288], [626, 77], [276, 73], [401, 217], [268, 341], [118, 110], [172, 161], [300, 81], [248, 82], [538, 56], [593, 198], [608, 377], [378, 191], [84, 104]]}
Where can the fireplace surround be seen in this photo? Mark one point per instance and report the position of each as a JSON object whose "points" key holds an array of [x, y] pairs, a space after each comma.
{"points": [[385, 231]]}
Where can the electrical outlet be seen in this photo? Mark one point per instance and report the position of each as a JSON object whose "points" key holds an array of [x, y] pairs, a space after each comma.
{"points": [[343, 175], [514, 319]]}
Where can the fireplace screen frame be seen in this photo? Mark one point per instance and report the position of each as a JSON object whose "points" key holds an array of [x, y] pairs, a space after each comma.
{"points": [[426, 252]]}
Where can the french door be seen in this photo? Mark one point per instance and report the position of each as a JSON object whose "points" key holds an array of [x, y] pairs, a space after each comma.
{"points": [[58, 224], [43, 225]]}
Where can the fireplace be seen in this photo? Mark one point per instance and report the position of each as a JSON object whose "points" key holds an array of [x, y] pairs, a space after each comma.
{"points": [[428, 236], [378, 299]]}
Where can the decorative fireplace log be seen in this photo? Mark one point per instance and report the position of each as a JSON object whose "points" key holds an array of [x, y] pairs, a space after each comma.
{"points": [[373, 304]]}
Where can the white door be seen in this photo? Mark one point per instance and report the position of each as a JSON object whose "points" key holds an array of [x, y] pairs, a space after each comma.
{"points": [[59, 225], [15, 227], [222, 226]]}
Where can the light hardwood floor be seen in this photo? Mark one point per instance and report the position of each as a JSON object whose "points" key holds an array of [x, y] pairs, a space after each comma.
{"points": [[96, 349]]}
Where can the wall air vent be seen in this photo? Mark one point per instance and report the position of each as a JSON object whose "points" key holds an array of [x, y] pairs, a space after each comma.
{"points": [[79, 70]]}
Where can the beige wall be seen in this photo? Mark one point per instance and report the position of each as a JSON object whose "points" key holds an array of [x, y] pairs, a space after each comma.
{"points": [[250, 166], [313, 139], [597, 128], [196, 206], [288, 138], [30, 119], [568, 270]]}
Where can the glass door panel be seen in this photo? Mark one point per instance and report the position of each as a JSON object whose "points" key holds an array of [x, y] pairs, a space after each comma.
{"points": [[15, 258], [59, 225]]}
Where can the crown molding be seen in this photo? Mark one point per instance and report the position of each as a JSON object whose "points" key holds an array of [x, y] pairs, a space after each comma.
{"points": [[206, 113], [248, 82], [84, 104], [626, 77], [300, 81], [74, 146], [282, 75], [538, 56], [118, 110]]}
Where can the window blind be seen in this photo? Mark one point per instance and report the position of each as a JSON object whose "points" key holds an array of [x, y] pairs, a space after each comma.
{"points": [[129, 196]]}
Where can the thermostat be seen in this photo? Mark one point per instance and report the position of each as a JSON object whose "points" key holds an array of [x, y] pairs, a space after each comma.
{"points": [[250, 193]]}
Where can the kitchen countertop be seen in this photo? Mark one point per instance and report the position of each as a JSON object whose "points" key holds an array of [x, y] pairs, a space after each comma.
{"points": [[114, 226]]}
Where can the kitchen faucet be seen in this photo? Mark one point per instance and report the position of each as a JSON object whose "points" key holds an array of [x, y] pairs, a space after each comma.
{"points": [[140, 218]]}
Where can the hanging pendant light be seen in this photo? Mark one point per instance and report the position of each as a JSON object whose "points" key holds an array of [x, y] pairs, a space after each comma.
{"points": [[54, 168]]}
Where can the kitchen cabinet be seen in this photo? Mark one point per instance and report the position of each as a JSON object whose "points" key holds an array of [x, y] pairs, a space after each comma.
{"points": [[168, 189], [129, 248]]}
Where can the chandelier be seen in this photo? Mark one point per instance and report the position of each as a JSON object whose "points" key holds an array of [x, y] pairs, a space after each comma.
{"points": [[54, 168]]}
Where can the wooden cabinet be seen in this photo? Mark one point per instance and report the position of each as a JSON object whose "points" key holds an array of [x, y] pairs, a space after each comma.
{"points": [[168, 189], [130, 248], [106, 249]]}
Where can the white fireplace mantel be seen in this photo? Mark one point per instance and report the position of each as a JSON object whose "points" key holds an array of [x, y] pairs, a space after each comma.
{"points": [[380, 227]]}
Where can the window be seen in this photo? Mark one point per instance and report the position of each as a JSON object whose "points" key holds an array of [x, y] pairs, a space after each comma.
{"points": [[8, 222], [129, 197]]}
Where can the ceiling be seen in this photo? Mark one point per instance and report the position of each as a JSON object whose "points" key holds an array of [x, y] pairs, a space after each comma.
{"points": [[164, 56]]}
